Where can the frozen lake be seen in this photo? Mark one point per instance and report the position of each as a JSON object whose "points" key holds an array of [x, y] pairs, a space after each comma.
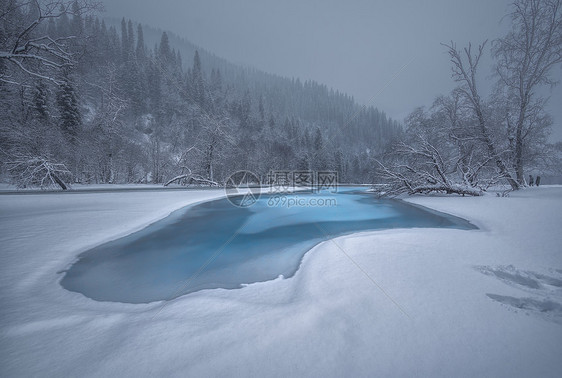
{"points": [[218, 245]]}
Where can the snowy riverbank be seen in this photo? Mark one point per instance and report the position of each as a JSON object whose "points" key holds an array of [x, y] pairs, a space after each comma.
{"points": [[433, 302]]}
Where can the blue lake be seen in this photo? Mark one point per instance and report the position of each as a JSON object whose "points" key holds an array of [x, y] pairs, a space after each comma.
{"points": [[218, 245]]}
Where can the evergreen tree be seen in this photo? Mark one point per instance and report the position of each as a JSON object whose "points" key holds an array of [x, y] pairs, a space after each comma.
{"points": [[244, 110], [318, 140], [130, 39], [140, 50], [77, 25], [69, 112], [339, 165], [124, 40], [179, 61], [261, 109], [165, 51], [40, 101], [52, 28], [198, 84], [63, 24], [154, 88]]}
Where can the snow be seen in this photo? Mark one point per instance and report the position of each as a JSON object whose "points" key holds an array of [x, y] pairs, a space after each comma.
{"points": [[4, 187], [430, 302]]}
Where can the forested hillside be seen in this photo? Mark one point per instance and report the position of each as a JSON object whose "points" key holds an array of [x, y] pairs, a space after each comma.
{"points": [[91, 102]]}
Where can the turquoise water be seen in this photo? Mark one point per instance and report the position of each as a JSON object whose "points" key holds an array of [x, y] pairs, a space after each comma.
{"points": [[218, 245]]}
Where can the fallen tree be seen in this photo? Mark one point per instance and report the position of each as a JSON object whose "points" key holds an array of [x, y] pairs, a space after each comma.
{"points": [[421, 176], [37, 171], [436, 154], [190, 178]]}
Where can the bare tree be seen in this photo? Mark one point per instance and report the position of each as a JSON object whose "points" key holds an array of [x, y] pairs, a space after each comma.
{"points": [[525, 58], [464, 67], [108, 123], [215, 134], [26, 43]]}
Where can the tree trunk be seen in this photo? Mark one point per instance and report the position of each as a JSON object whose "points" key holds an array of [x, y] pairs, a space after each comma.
{"points": [[519, 156], [177, 178], [59, 181], [492, 150], [519, 140], [210, 161]]}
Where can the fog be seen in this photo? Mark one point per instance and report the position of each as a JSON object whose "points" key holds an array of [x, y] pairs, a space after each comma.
{"points": [[386, 54]]}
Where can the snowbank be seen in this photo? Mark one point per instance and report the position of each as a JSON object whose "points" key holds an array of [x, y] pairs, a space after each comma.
{"points": [[435, 302]]}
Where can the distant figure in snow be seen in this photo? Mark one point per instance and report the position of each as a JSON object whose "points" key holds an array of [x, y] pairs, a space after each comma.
{"points": [[538, 180], [531, 181]]}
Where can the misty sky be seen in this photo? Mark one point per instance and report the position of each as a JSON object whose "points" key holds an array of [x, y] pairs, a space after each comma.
{"points": [[356, 46]]}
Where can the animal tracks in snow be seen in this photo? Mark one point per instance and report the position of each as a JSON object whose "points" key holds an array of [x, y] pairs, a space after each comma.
{"points": [[545, 289]]}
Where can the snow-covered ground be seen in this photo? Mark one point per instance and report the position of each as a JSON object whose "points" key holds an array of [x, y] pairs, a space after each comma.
{"points": [[429, 302], [5, 187]]}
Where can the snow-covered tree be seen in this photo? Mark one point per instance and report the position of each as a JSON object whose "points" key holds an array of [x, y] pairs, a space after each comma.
{"points": [[526, 57], [32, 50]]}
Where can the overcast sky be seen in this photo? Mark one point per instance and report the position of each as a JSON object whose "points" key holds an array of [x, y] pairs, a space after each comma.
{"points": [[384, 53]]}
